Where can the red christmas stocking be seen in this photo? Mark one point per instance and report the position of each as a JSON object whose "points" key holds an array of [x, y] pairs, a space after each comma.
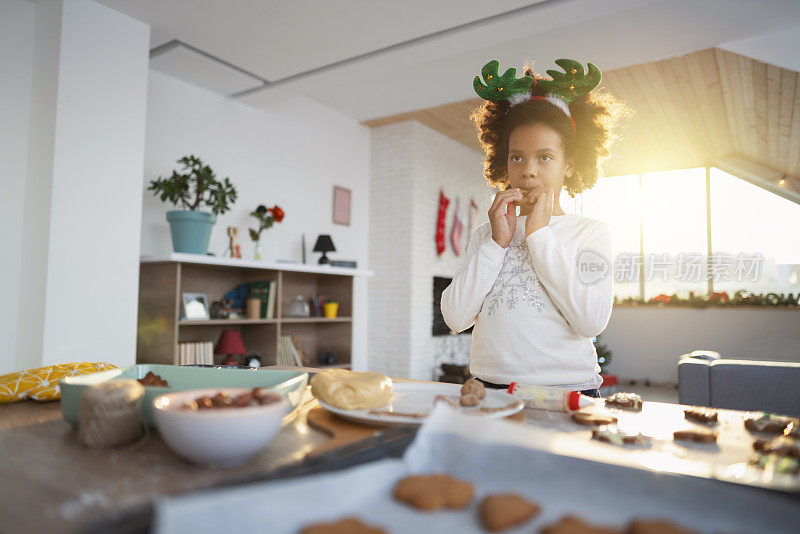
{"points": [[440, 223]]}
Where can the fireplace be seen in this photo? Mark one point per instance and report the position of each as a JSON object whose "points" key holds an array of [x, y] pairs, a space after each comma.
{"points": [[440, 328]]}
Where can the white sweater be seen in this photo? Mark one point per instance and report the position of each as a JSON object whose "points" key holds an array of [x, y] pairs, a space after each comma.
{"points": [[536, 304]]}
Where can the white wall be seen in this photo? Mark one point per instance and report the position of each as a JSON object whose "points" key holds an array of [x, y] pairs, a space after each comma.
{"points": [[17, 25], [410, 164], [78, 280], [647, 342], [291, 154]]}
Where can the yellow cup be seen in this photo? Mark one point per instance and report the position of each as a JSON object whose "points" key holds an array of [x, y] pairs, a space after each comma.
{"points": [[330, 309]]}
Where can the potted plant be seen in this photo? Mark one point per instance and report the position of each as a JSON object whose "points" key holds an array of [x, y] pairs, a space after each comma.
{"points": [[266, 218], [196, 187]]}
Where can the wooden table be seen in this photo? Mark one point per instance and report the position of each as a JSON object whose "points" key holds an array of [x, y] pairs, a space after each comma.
{"points": [[50, 482]]}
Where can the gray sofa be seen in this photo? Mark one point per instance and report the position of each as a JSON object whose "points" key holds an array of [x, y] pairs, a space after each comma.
{"points": [[706, 379]]}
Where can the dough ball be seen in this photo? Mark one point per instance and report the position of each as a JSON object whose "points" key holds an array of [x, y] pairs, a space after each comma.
{"points": [[350, 390]]}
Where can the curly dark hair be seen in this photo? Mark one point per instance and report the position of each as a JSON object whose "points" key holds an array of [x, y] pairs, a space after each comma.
{"points": [[595, 114]]}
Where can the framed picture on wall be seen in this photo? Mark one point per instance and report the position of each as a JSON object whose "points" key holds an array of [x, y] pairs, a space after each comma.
{"points": [[341, 205]]}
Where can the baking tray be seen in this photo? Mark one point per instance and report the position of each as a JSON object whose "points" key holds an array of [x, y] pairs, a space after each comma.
{"points": [[290, 384], [391, 443], [497, 457]]}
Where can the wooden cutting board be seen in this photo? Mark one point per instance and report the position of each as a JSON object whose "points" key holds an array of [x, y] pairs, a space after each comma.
{"points": [[344, 432]]}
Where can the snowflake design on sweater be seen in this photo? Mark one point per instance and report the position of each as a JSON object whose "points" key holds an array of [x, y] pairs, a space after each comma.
{"points": [[517, 282]]}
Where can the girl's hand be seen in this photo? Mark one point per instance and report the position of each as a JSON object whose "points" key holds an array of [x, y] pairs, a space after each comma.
{"points": [[543, 199], [503, 216]]}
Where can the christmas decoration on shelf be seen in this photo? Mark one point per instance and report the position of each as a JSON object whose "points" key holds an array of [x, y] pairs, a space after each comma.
{"points": [[719, 299], [441, 222]]}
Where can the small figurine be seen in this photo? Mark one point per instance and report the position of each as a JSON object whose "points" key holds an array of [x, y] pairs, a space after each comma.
{"points": [[233, 238]]}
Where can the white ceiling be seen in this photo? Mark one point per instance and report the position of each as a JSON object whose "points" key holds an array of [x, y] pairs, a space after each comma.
{"points": [[372, 58]]}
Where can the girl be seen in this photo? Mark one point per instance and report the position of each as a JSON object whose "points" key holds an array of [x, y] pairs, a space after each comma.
{"points": [[538, 285]]}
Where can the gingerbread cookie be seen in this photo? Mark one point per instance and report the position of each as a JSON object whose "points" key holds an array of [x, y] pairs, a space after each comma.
{"points": [[782, 446], [701, 415], [573, 525], [475, 387], [592, 418], [767, 422], [432, 492], [655, 526], [626, 401], [349, 525], [153, 380], [501, 511], [776, 463], [612, 434], [700, 435]]}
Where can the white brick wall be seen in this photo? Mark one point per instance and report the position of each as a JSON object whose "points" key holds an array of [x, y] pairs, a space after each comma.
{"points": [[410, 164]]}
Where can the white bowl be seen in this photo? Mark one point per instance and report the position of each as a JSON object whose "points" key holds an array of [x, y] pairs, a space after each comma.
{"points": [[217, 437]]}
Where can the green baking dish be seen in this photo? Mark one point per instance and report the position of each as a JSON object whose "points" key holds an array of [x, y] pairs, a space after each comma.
{"points": [[290, 384]]}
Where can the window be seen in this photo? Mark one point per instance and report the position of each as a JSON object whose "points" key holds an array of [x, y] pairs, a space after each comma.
{"points": [[754, 238], [616, 201], [660, 232], [674, 227]]}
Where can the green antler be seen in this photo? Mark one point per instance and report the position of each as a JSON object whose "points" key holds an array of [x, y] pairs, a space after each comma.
{"points": [[571, 84], [499, 87]]}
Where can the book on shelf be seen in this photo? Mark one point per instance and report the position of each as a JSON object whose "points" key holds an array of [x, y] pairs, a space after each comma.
{"points": [[195, 352], [266, 291], [273, 289], [287, 352]]}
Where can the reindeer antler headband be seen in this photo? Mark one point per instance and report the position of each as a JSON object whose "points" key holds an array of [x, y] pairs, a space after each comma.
{"points": [[562, 90]]}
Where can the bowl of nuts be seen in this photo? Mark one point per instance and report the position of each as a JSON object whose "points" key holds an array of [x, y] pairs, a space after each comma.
{"points": [[219, 427]]}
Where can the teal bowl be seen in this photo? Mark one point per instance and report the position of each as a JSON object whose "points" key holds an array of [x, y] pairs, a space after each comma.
{"points": [[290, 384]]}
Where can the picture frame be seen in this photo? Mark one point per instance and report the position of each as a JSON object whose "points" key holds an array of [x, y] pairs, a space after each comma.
{"points": [[195, 307], [341, 205]]}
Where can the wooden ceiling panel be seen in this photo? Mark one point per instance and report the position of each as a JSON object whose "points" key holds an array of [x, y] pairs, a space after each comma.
{"points": [[787, 100]]}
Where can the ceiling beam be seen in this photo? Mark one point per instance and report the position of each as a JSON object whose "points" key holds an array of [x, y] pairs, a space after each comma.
{"points": [[761, 176]]}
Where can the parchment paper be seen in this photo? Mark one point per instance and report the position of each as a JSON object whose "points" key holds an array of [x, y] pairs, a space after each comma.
{"points": [[497, 456]]}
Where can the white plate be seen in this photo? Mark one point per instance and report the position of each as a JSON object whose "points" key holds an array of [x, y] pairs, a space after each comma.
{"points": [[418, 398]]}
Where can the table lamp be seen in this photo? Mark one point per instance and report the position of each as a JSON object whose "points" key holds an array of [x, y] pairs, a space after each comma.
{"points": [[324, 244], [231, 345]]}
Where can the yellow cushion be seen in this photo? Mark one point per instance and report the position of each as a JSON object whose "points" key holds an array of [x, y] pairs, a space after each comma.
{"points": [[41, 384]]}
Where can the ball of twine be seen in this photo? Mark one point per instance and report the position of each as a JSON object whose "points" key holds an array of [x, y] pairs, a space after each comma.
{"points": [[110, 413]]}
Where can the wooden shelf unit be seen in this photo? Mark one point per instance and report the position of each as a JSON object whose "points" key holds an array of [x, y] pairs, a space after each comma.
{"points": [[163, 280]]}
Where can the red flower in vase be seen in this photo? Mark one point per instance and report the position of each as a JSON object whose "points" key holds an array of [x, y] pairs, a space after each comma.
{"points": [[277, 213]]}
